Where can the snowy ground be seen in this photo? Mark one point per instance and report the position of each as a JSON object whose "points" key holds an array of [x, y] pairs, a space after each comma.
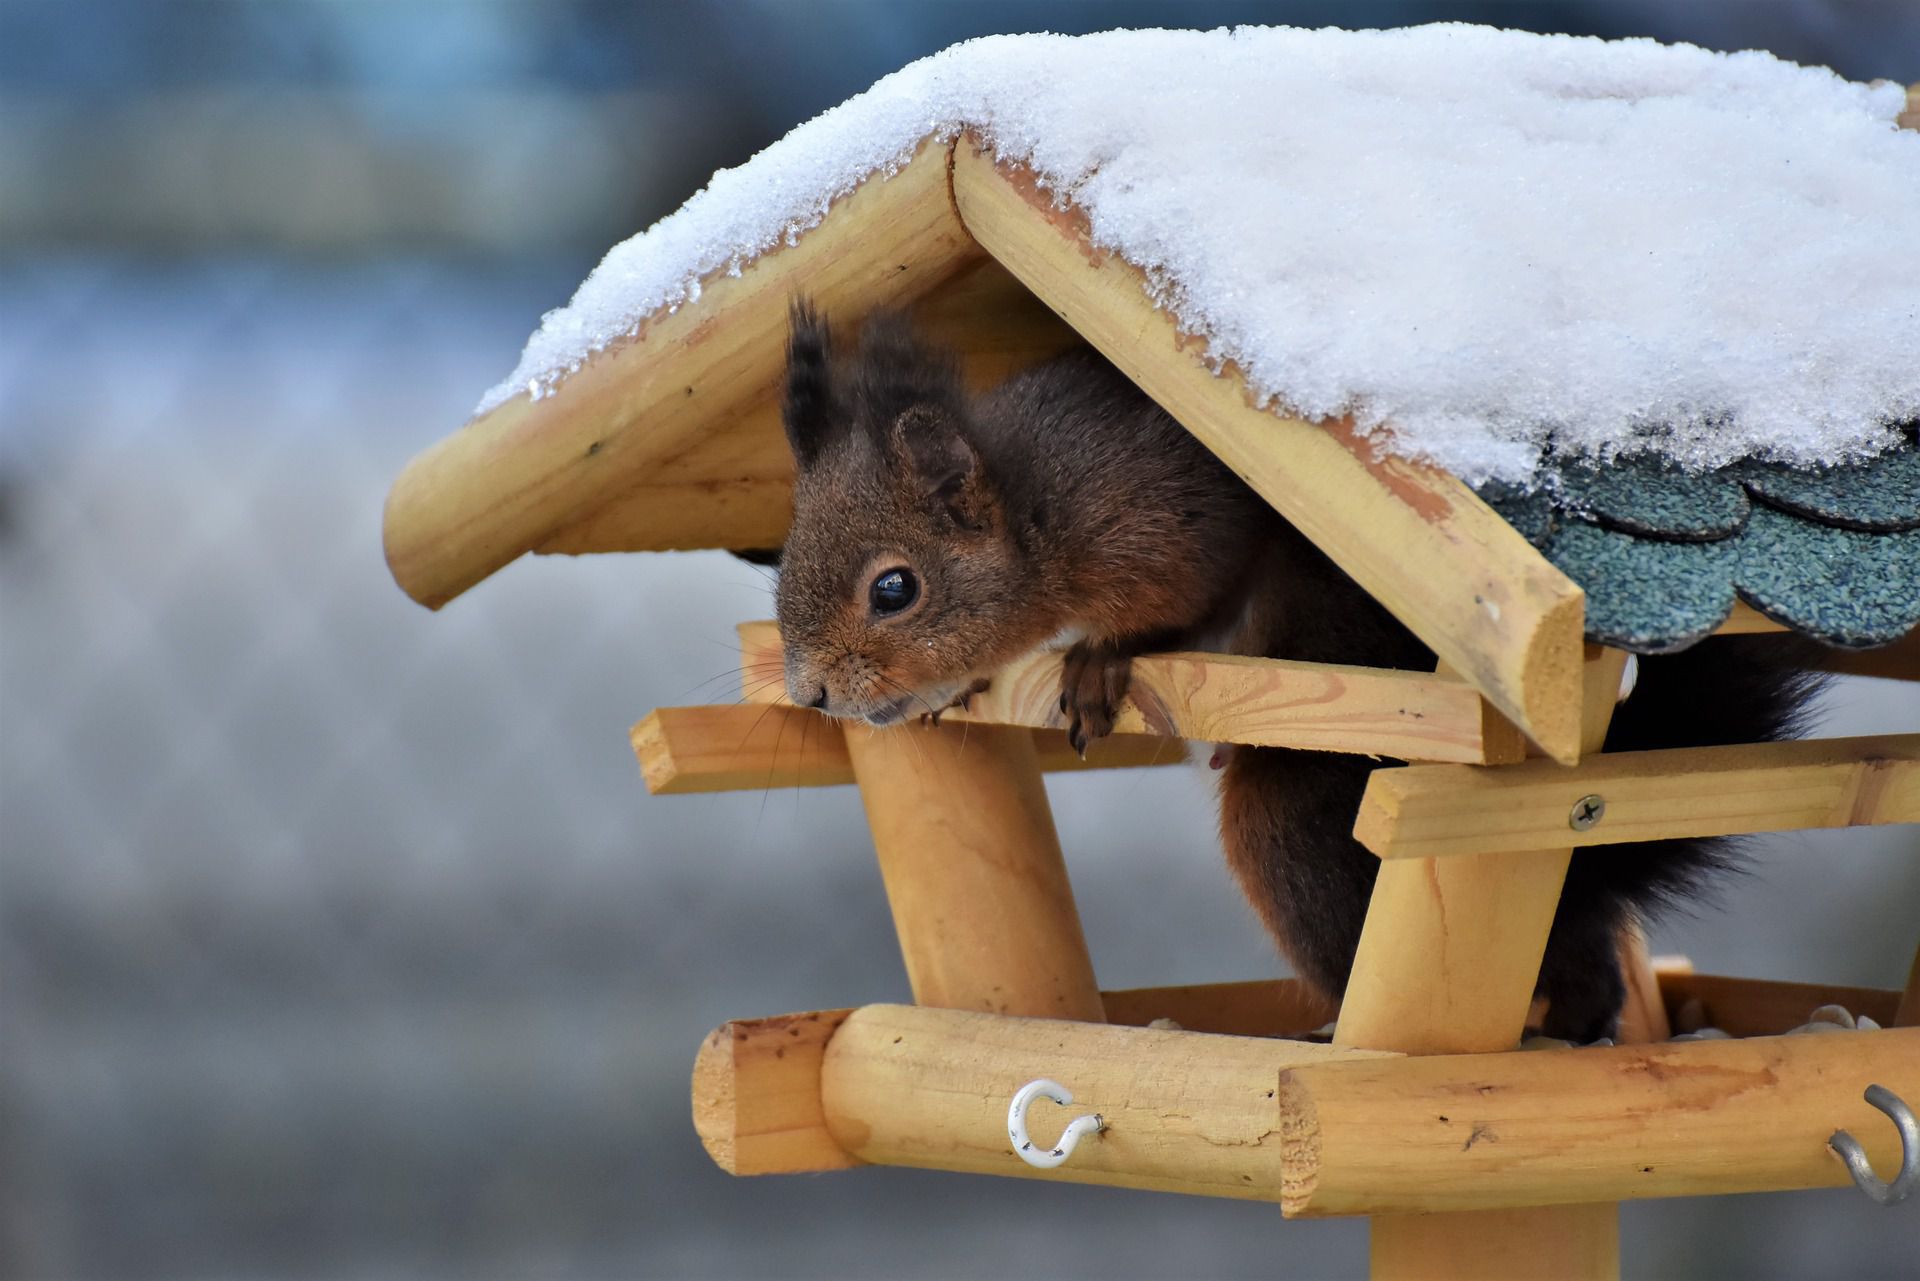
{"points": [[340, 938]]}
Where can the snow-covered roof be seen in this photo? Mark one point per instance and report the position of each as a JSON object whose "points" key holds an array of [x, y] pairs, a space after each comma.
{"points": [[1475, 242]]}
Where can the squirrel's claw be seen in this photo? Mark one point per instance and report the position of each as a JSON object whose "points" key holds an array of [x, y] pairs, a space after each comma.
{"points": [[963, 700], [1093, 680]]}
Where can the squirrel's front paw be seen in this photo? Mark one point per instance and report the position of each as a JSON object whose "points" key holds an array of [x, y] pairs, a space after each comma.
{"points": [[1093, 683]]}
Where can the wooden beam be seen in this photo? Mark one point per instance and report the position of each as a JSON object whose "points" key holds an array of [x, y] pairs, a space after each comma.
{"points": [[756, 1095], [1439, 811], [1223, 698], [1262, 1007], [973, 870], [1899, 661], [1185, 1111], [510, 479], [1474, 1132], [1415, 537], [757, 747], [1767, 1007]]}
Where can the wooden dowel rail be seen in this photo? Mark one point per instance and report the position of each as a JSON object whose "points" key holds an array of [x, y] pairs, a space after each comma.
{"points": [[1322, 1130], [1265, 702], [1475, 1132], [1185, 1111], [1436, 811]]}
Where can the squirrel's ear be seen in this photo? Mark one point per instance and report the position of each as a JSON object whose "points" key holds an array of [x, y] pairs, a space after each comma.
{"points": [[809, 411], [945, 466]]}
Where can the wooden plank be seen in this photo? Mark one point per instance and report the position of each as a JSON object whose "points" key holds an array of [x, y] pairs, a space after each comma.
{"points": [[756, 1095], [973, 870], [1186, 1111], [1767, 1007], [1475, 1132], [1262, 1007], [1415, 537], [507, 481], [757, 747], [1441, 811], [1224, 698], [734, 486]]}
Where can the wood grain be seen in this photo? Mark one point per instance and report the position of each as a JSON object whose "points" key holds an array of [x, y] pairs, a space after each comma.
{"points": [[1447, 964], [1443, 811], [1451, 948], [1186, 1111], [1222, 698], [756, 1095], [1413, 536], [508, 480], [1473, 1132], [973, 870], [757, 747]]}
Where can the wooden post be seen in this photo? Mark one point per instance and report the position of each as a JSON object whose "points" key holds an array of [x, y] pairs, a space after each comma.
{"points": [[1447, 965], [973, 870]]}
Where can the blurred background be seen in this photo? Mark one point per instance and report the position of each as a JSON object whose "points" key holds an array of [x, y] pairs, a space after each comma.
{"points": [[340, 939]]}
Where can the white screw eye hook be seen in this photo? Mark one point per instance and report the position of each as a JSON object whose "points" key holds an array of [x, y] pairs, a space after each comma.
{"points": [[1856, 1158], [1076, 1130]]}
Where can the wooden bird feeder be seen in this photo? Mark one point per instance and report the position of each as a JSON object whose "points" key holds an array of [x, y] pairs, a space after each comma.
{"points": [[1471, 1157]]}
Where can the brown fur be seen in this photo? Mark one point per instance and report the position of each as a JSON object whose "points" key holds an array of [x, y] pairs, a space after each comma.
{"points": [[1067, 501]]}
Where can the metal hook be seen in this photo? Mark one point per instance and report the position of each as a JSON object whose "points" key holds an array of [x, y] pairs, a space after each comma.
{"points": [[1077, 1129], [1851, 1152]]}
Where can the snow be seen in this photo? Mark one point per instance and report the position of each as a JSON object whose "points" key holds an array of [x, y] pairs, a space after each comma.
{"points": [[1479, 243]]}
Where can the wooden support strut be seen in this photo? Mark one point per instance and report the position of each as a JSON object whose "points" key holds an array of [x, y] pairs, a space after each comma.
{"points": [[1222, 698], [1434, 811], [1447, 964], [973, 870]]}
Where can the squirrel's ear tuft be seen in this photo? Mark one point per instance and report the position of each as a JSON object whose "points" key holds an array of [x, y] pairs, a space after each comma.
{"points": [[895, 372], [945, 466], [809, 412]]}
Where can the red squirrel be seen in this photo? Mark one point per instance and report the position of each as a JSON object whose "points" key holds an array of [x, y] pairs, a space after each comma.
{"points": [[938, 535]]}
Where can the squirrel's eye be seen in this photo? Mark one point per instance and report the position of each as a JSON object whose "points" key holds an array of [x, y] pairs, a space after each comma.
{"points": [[893, 591]]}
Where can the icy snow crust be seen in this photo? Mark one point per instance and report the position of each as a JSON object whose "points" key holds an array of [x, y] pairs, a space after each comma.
{"points": [[1479, 243]]}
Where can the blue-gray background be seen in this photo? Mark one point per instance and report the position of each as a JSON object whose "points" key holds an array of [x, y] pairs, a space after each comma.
{"points": [[339, 939]]}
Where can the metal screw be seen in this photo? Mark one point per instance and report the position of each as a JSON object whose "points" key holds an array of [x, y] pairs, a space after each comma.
{"points": [[1587, 811]]}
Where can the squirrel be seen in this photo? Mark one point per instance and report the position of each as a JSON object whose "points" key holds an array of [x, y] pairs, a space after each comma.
{"points": [[937, 536]]}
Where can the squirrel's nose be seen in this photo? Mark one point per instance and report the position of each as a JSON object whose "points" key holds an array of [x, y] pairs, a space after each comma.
{"points": [[821, 700]]}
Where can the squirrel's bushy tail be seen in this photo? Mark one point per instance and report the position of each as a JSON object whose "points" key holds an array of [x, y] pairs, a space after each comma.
{"points": [[1731, 690]]}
